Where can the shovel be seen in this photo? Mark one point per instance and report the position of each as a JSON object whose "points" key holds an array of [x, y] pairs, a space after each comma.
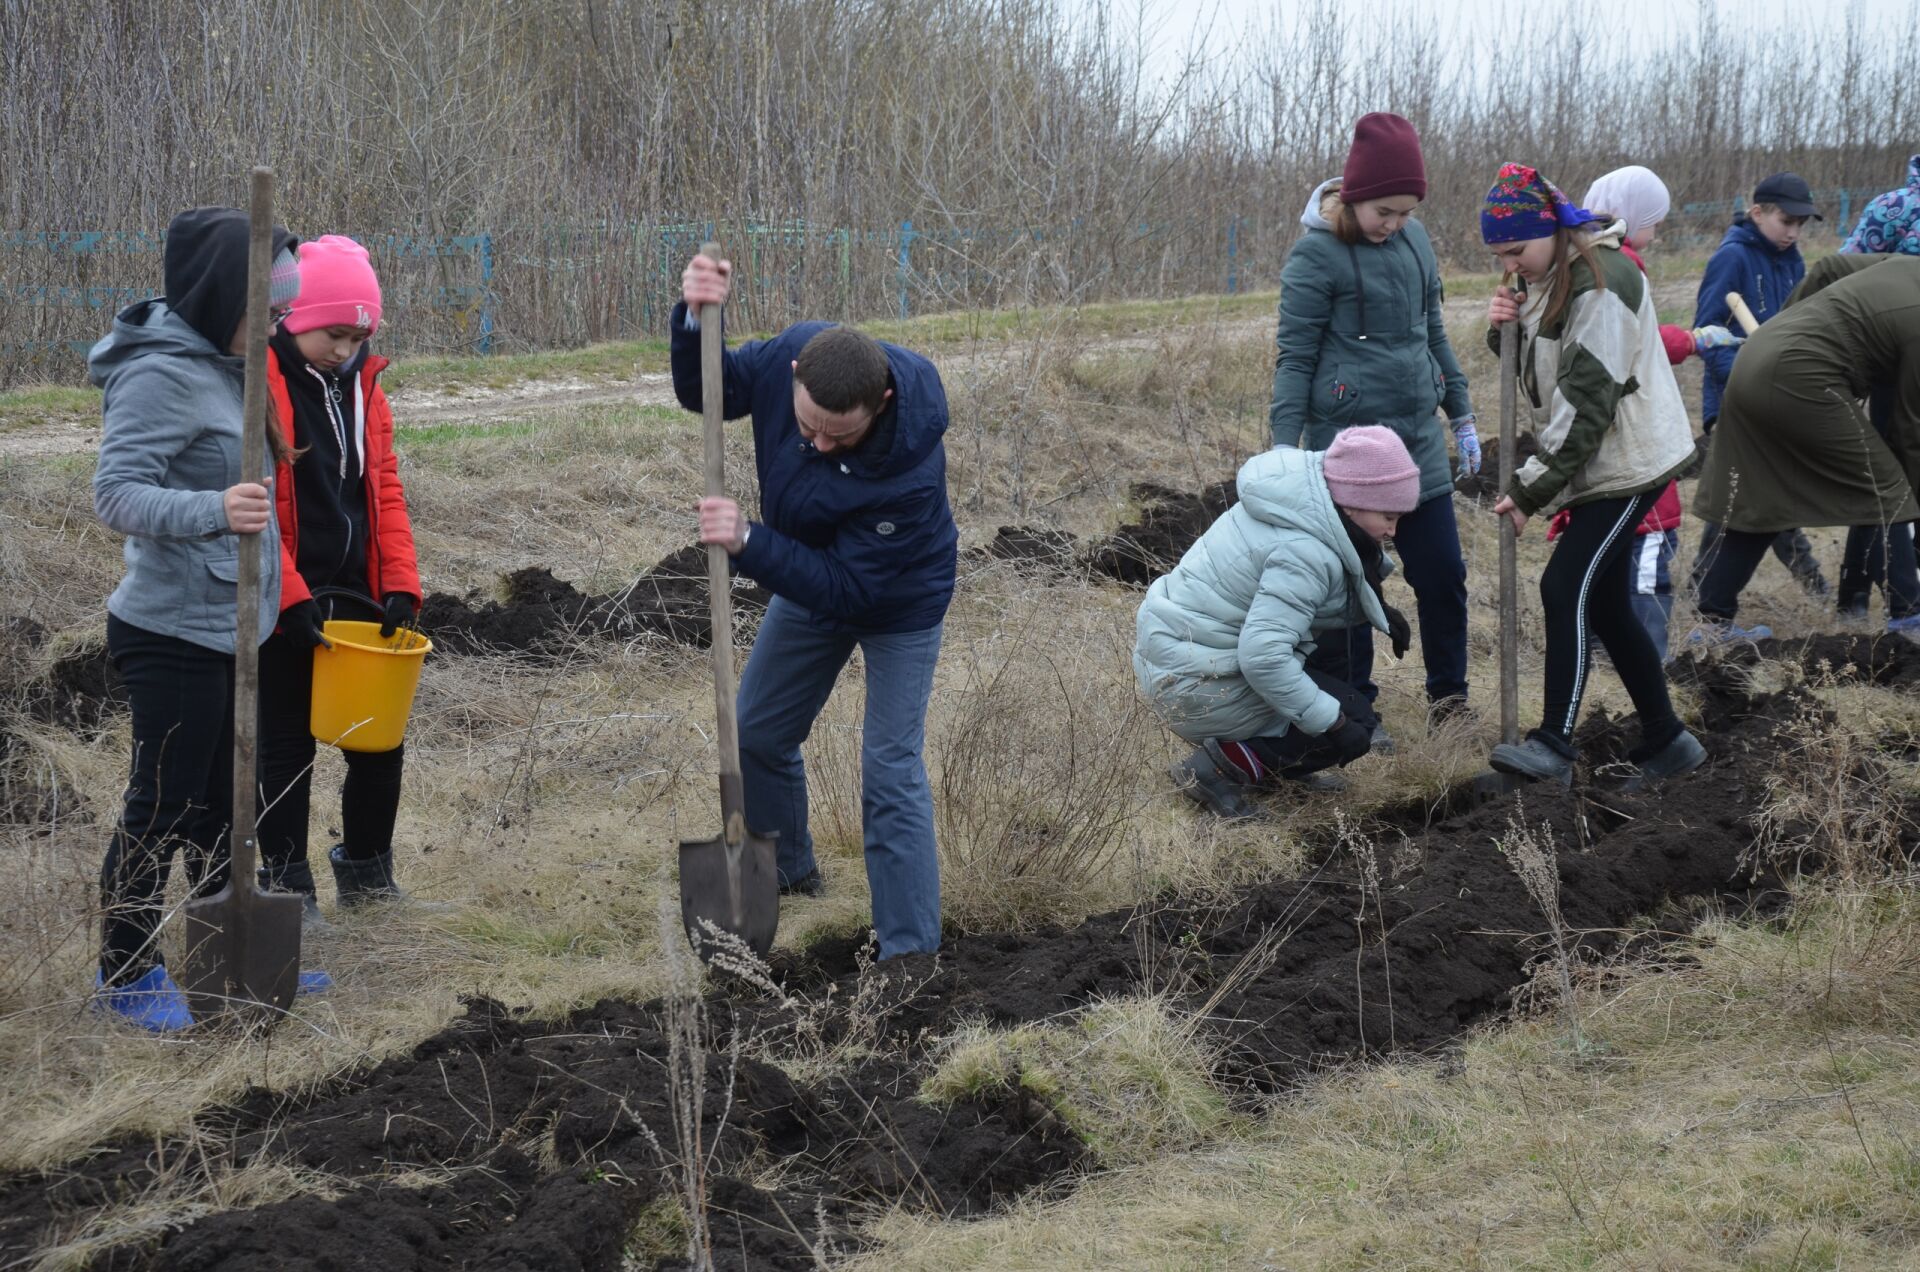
{"points": [[243, 945], [1492, 784], [728, 883]]}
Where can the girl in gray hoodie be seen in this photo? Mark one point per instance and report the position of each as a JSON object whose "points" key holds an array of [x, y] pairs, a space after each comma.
{"points": [[169, 478]]}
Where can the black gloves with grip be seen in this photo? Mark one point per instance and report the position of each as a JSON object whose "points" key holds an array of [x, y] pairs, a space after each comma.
{"points": [[1350, 740], [302, 623], [399, 613], [1398, 631]]}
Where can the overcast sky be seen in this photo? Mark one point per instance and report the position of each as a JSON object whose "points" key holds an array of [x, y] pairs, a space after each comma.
{"points": [[1642, 24]]}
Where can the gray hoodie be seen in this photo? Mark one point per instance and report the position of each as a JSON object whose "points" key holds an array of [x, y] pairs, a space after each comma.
{"points": [[170, 448]]}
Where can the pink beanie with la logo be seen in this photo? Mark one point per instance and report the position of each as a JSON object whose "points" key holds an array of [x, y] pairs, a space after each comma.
{"points": [[337, 287]]}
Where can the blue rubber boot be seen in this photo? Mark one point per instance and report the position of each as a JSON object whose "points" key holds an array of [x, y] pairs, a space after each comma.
{"points": [[153, 1002]]}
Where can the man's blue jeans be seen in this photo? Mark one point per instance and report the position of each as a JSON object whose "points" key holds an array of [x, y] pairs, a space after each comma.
{"points": [[796, 659]]}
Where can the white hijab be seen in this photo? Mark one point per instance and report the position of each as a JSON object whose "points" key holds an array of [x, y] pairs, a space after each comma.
{"points": [[1633, 194]]}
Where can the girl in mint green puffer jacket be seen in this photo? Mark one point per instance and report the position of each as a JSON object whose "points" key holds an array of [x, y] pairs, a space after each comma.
{"points": [[1223, 641]]}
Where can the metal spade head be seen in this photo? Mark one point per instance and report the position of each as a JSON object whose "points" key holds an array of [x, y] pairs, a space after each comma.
{"points": [[243, 953], [730, 887]]}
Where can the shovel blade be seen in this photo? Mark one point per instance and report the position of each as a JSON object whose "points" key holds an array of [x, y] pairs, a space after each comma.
{"points": [[243, 955], [1489, 785], [734, 889]]}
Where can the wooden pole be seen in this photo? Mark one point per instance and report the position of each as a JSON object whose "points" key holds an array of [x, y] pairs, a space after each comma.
{"points": [[719, 576], [253, 467], [1509, 546]]}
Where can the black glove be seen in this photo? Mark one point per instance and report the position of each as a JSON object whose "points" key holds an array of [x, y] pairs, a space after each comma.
{"points": [[1350, 740], [399, 613], [1398, 631], [302, 623]]}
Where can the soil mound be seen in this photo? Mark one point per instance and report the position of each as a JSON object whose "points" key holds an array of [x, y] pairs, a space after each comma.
{"points": [[1170, 521], [543, 615], [1409, 931], [1034, 551]]}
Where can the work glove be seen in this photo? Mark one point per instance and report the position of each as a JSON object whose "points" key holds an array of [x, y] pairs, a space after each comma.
{"points": [[399, 613], [1350, 740], [1705, 338], [1467, 438], [303, 624], [1398, 631]]}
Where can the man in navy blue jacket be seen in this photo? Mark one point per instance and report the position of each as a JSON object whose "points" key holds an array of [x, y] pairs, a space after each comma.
{"points": [[857, 544]]}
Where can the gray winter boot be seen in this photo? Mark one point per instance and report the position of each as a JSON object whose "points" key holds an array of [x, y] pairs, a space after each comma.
{"points": [[368, 880], [363, 880], [1535, 759], [1212, 785], [1677, 758]]}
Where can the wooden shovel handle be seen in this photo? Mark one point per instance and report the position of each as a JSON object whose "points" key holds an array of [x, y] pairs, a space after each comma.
{"points": [[719, 580], [1741, 314], [1509, 547], [253, 467]]}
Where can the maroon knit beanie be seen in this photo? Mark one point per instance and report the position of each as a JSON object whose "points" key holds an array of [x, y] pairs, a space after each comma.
{"points": [[1383, 161]]}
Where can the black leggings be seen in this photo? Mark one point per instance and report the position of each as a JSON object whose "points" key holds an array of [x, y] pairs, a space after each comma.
{"points": [[1588, 585], [179, 790], [370, 796]]}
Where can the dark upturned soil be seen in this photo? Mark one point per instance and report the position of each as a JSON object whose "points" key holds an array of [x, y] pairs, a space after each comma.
{"points": [[1485, 484], [544, 615], [1034, 551], [1170, 520], [544, 1141]]}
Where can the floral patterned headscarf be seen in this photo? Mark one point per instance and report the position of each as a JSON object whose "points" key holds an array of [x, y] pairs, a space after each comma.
{"points": [[1525, 205]]}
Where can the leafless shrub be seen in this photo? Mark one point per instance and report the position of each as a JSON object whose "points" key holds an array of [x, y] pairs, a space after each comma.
{"points": [[1037, 773], [1530, 851], [1366, 861]]}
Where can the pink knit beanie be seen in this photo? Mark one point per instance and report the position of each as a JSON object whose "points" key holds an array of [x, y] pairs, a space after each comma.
{"points": [[1368, 468], [337, 287]]}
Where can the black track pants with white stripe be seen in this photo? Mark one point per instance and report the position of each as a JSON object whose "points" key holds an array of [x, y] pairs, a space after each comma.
{"points": [[1587, 587]]}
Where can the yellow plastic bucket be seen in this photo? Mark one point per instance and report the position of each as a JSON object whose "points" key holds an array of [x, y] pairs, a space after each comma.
{"points": [[363, 687]]}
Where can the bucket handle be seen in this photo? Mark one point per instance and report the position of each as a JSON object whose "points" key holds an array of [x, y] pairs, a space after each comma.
{"points": [[373, 607]]}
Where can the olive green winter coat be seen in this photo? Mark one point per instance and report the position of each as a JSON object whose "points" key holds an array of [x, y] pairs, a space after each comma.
{"points": [[1794, 447]]}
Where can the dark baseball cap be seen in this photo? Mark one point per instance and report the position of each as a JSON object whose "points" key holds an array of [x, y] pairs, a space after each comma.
{"points": [[1788, 193]]}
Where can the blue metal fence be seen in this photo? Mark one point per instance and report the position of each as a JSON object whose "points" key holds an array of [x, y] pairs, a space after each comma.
{"points": [[473, 299], [622, 277]]}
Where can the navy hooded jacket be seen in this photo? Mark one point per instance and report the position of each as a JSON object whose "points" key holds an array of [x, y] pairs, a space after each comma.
{"points": [[1763, 275], [862, 538]]}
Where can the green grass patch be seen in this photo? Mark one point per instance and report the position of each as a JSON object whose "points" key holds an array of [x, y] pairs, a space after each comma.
{"points": [[46, 404], [620, 360], [658, 1235], [511, 934], [545, 422]]}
